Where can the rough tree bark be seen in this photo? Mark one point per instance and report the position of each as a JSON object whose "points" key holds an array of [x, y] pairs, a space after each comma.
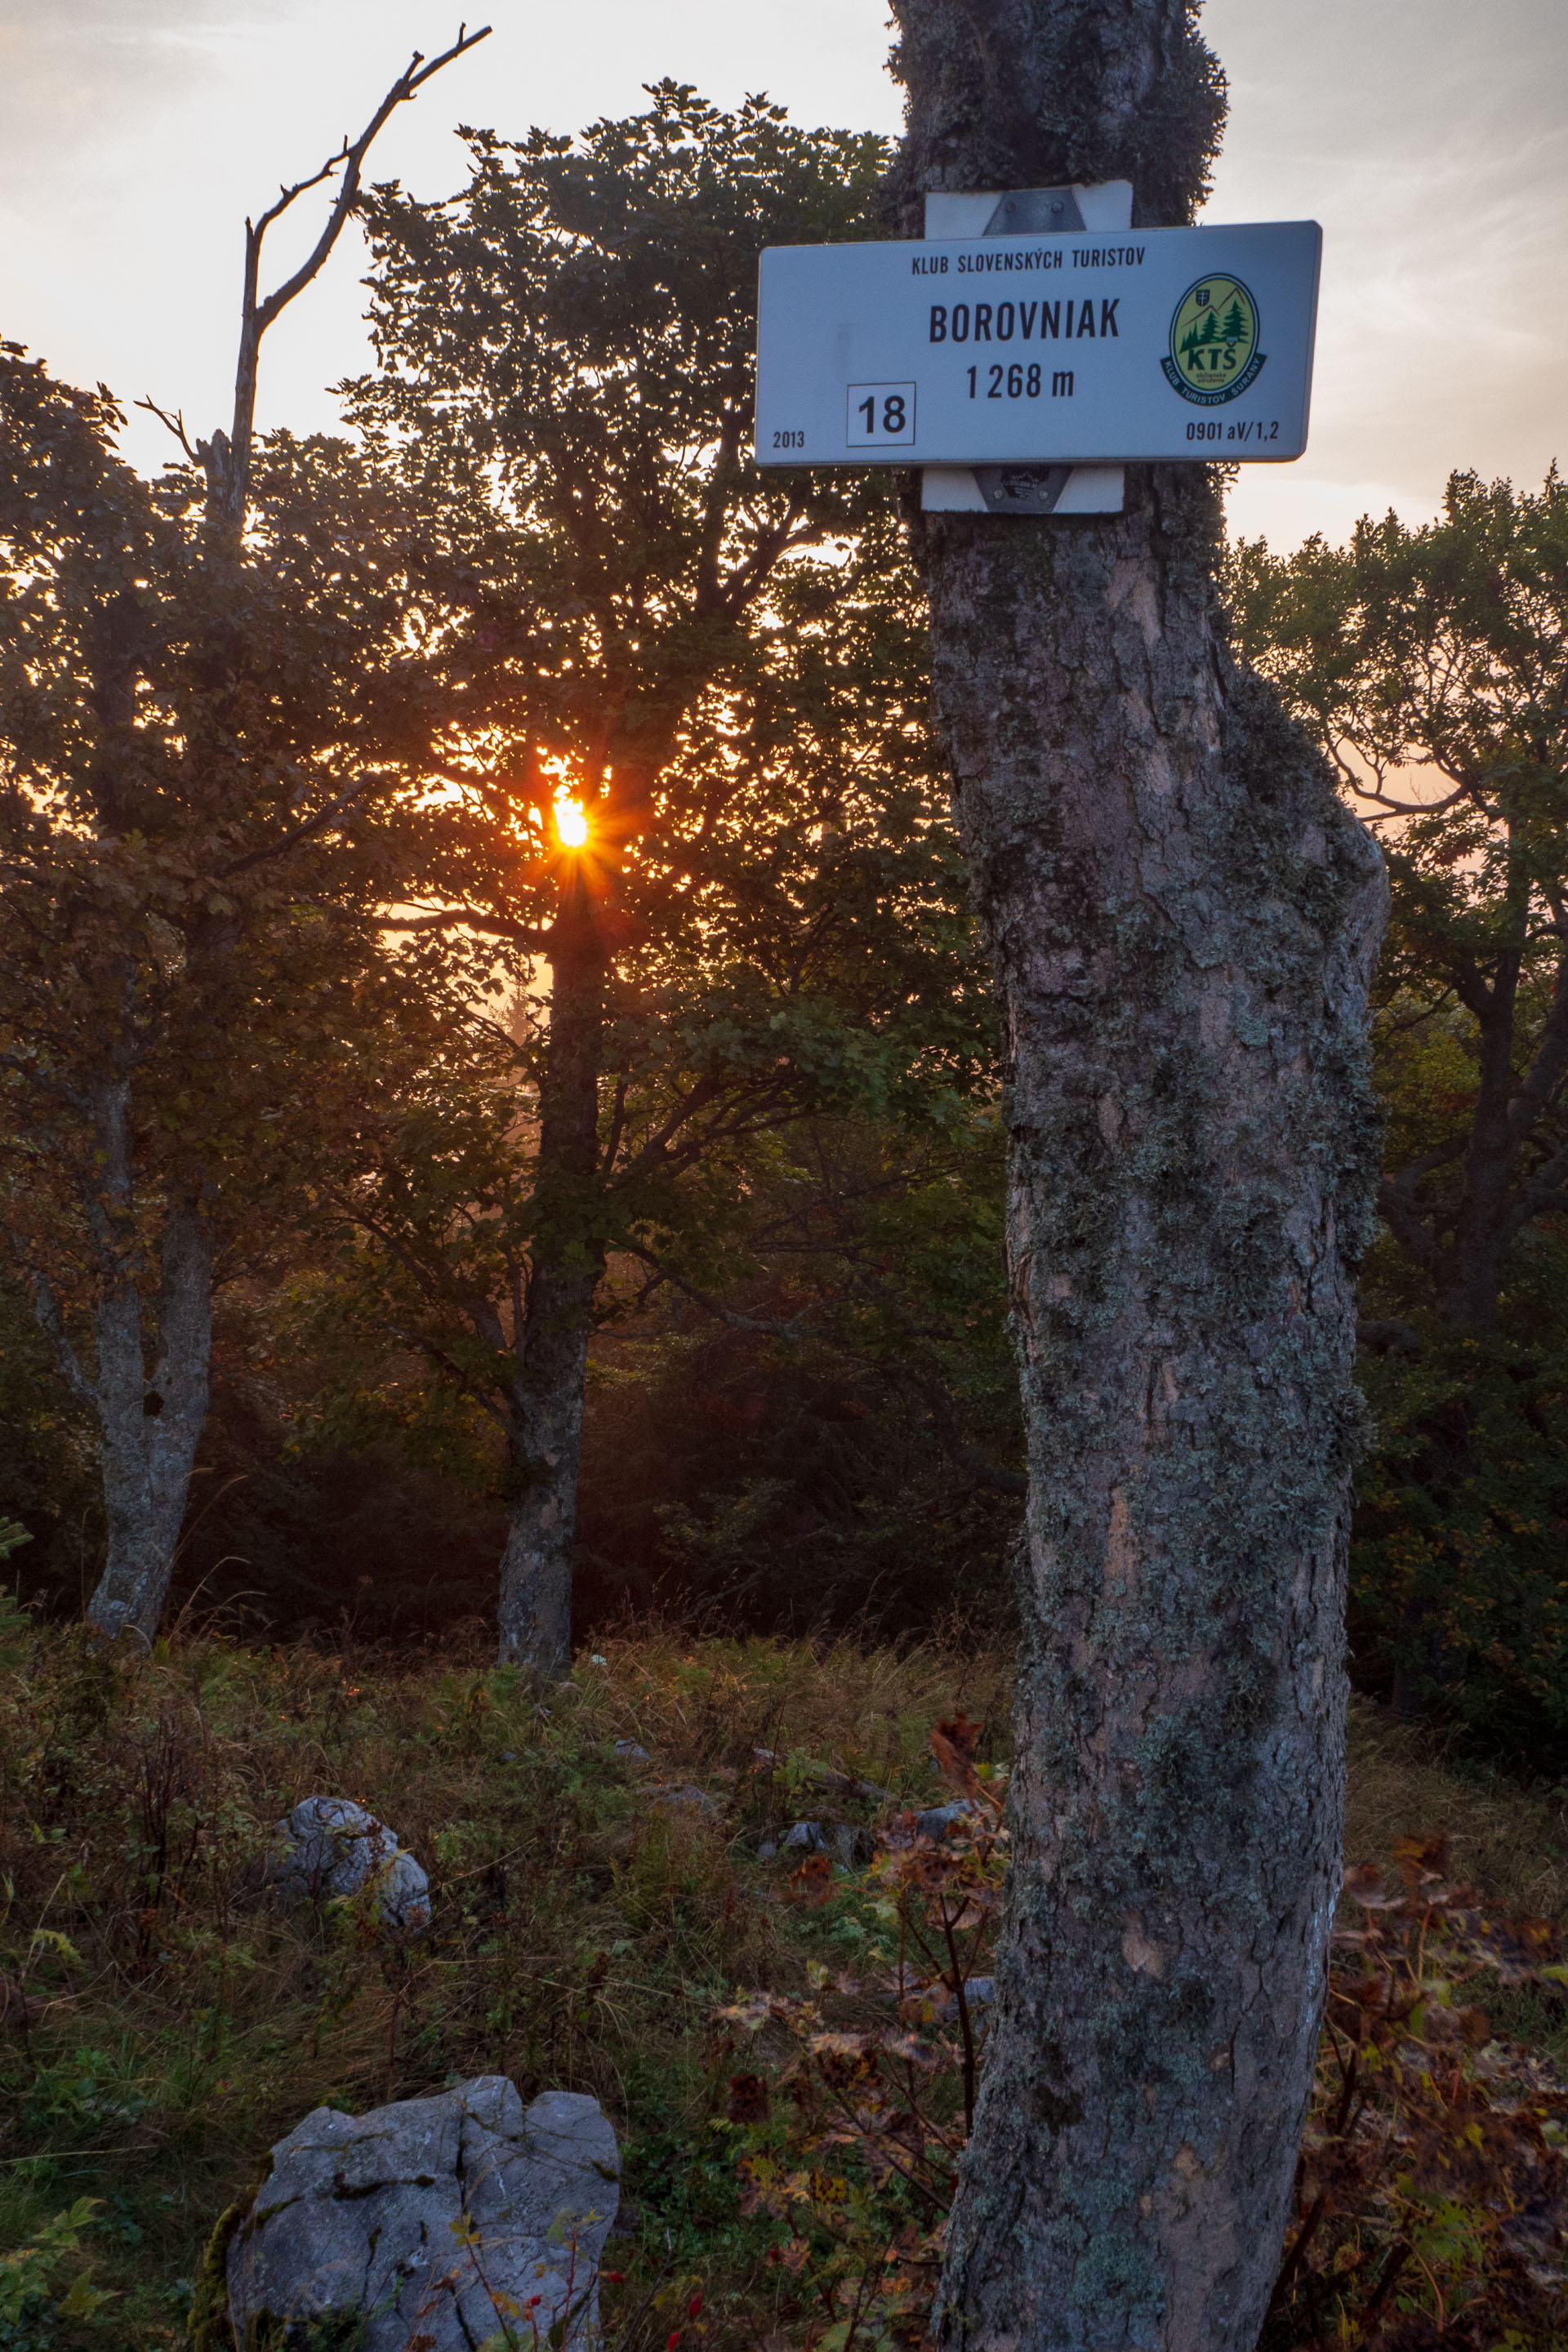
{"points": [[1183, 919], [148, 1430]]}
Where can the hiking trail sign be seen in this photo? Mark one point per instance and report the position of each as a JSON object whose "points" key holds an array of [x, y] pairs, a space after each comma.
{"points": [[1038, 340]]}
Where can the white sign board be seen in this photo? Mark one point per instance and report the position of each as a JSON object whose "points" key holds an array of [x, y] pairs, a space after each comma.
{"points": [[1050, 349]]}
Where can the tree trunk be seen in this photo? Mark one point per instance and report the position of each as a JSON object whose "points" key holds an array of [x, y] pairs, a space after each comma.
{"points": [[1469, 1271], [1184, 919], [148, 1433], [546, 1448], [568, 1260], [1463, 1241]]}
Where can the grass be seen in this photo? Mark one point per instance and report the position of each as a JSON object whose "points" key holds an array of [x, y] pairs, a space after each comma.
{"points": [[175, 2028], [1509, 1841], [165, 2026]]}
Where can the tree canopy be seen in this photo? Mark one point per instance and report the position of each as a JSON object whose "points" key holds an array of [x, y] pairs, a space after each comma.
{"points": [[1431, 663], [721, 678], [200, 760]]}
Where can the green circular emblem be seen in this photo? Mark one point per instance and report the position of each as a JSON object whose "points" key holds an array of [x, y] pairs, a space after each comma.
{"points": [[1214, 355]]}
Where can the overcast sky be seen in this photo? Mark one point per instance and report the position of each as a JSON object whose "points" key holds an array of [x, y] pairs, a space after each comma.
{"points": [[1430, 137]]}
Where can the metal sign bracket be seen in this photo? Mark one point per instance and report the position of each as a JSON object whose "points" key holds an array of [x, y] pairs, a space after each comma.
{"points": [[1026, 489]]}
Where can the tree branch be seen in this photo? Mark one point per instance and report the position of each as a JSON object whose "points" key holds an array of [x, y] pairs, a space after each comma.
{"points": [[932, 1395], [177, 425], [715, 1306], [1544, 1080], [1387, 1335], [944, 1421], [522, 935], [618, 1127], [227, 457], [454, 1370], [1396, 1202], [1406, 808], [46, 1307], [289, 841]]}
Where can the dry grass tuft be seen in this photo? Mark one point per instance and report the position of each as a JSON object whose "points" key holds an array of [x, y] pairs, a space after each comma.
{"points": [[1509, 1841]]}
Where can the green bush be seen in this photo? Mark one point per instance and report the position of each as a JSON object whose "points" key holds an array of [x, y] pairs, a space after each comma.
{"points": [[44, 2284]]}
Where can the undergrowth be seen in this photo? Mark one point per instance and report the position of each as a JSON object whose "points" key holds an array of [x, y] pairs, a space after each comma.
{"points": [[162, 2027], [788, 2047]]}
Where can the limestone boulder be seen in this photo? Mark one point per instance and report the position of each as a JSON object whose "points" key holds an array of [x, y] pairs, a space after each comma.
{"points": [[848, 1842], [684, 1799], [329, 1847], [439, 2223]]}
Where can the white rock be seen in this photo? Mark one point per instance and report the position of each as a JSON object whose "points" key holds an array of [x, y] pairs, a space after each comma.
{"points": [[681, 1800], [438, 2221], [329, 1847], [937, 1822]]}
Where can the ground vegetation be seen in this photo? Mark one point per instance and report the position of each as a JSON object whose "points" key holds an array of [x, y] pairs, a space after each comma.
{"points": [[786, 2045]]}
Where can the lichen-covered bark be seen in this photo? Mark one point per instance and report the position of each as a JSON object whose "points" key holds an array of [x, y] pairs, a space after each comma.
{"points": [[546, 1448], [149, 1429], [1184, 919]]}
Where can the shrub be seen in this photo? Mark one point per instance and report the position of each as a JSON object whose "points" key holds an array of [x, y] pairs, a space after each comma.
{"points": [[43, 2286]]}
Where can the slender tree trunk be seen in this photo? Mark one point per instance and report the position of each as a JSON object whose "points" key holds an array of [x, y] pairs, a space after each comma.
{"points": [[1184, 919], [546, 1401], [546, 1449], [1468, 1261], [1470, 1269], [148, 1431]]}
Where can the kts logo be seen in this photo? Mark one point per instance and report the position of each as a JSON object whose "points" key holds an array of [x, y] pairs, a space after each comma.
{"points": [[1214, 355]]}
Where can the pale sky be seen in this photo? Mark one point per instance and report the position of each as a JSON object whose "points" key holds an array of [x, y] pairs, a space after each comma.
{"points": [[1430, 137]]}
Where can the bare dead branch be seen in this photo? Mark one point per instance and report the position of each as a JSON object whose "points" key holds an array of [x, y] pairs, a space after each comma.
{"points": [[407, 86], [225, 458], [175, 424]]}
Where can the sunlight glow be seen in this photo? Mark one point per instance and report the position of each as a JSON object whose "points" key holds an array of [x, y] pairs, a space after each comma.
{"points": [[571, 820]]}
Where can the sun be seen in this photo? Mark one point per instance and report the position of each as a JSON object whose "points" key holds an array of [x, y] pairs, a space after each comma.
{"points": [[571, 821]]}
